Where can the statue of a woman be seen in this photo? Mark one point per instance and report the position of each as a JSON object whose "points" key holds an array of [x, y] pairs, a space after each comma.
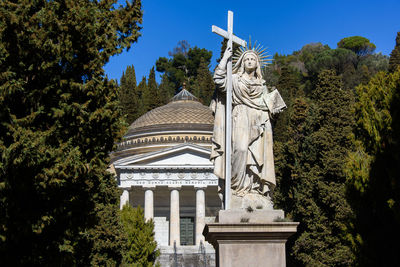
{"points": [[253, 174]]}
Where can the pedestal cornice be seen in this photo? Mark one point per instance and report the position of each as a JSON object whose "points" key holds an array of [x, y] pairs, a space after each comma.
{"points": [[215, 233]]}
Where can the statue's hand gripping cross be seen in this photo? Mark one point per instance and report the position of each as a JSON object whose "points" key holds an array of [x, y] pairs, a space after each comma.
{"points": [[228, 116]]}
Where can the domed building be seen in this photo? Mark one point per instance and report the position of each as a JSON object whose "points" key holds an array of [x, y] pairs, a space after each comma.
{"points": [[163, 165]]}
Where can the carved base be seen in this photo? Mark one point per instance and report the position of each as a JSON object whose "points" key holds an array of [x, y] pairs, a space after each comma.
{"points": [[251, 201], [253, 216]]}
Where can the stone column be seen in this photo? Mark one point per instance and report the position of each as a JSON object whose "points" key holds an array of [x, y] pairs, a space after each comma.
{"points": [[174, 227], [200, 213], [148, 203], [124, 198]]}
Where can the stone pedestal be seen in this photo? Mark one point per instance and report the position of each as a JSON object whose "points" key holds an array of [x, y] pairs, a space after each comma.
{"points": [[255, 238]]}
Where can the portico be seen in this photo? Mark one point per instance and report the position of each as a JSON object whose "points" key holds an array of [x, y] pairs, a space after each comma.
{"points": [[181, 207], [171, 194]]}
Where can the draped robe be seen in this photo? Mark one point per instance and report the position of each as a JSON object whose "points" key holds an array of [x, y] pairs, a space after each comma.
{"points": [[252, 155]]}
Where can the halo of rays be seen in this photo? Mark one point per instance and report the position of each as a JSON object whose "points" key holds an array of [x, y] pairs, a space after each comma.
{"points": [[257, 49]]}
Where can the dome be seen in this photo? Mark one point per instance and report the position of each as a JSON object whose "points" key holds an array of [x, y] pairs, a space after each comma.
{"points": [[183, 120], [184, 111]]}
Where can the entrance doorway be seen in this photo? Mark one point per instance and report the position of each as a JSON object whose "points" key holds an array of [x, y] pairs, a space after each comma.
{"points": [[187, 231]]}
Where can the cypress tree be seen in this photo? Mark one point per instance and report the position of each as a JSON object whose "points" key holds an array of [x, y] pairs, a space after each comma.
{"points": [[151, 96], [312, 178], [59, 120], [394, 60], [203, 87], [166, 89], [128, 95], [289, 87], [142, 91], [291, 159]]}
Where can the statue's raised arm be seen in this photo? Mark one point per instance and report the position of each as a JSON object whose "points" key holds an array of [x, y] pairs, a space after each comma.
{"points": [[220, 72]]}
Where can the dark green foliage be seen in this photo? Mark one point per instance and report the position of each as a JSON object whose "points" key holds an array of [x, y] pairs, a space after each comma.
{"points": [[370, 65], [312, 141], [142, 248], [290, 157], [343, 61], [224, 43], [310, 174], [203, 86], [270, 75], [373, 172], [195, 57], [353, 69], [129, 96], [394, 61], [107, 238], [315, 57], [310, 51], [359, 45], [289, 87], [142, 90], [166, 89], [151, 97], [59, 119], [184, 66]]}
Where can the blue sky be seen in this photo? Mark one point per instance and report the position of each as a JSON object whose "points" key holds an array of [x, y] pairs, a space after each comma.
{"points": [[283, 26]]}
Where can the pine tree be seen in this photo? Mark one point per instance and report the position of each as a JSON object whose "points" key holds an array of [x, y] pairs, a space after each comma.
{"points": [[183, 65], [128, 95], [373, 171], [59, 119], [394, 61], [142, 248], [358, 44]]}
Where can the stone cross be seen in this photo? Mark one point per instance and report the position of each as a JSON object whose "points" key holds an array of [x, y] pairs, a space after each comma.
{"points": [[228, 116]]}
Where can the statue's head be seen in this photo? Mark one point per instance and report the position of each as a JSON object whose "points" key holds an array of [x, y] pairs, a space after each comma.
{"points": [[249, 60]]}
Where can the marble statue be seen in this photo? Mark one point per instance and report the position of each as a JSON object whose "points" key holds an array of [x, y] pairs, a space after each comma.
{"points": [[253, 103]]}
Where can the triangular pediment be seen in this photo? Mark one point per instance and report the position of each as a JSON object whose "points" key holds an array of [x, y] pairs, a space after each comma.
{"points": [[180, 155]]}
